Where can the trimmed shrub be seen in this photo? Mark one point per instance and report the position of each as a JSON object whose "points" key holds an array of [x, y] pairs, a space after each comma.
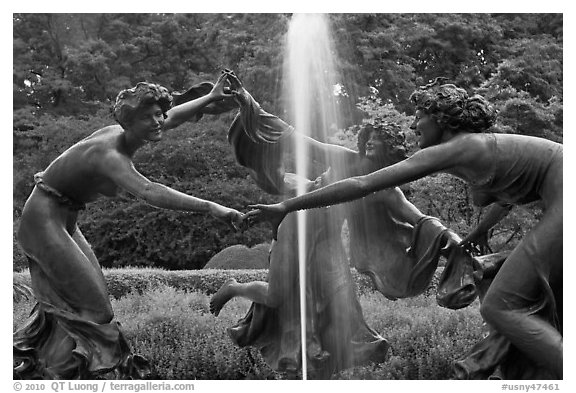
{"points": [[241, 257], [122, 281], [175, 331]]}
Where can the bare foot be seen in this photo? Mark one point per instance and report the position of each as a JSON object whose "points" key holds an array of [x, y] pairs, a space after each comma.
{"points": [[221, 297]]}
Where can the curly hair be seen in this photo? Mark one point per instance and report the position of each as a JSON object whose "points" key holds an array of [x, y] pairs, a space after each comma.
{"points": [[130, 101], [389, 133], [453, 108]]}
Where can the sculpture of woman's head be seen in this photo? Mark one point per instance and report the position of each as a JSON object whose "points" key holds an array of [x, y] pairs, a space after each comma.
{"points": [[392, 142], [130, 101], [453, 108]]}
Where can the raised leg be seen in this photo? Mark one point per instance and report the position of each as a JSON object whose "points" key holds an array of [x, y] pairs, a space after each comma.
{"points": [[282, 274]]}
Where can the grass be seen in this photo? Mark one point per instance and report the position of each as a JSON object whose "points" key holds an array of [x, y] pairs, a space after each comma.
{"points": [[174, 330]]}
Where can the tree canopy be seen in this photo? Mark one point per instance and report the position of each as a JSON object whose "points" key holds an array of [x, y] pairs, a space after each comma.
{"points": [[68, 69]]}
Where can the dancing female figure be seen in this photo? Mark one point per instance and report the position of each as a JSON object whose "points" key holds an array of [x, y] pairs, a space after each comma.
{"points": [[381, 229], [524, 301], [71, 333], [338, 337]]}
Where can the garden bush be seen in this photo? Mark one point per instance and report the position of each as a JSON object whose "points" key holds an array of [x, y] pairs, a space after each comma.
{"points": [[241, 257], [122, 281], [425, 338], [165, 316]]}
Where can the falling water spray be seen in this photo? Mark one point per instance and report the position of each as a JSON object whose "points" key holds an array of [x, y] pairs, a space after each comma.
{"points": [[310, 80]]}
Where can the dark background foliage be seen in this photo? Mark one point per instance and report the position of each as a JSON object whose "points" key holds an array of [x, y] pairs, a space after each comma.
{"points": [[68, 67]]}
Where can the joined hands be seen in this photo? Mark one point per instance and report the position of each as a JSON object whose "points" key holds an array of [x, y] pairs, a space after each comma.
{"points": [[273, 214]]}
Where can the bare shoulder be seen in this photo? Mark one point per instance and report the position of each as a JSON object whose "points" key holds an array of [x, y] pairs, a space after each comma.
{"points": [[90, 150], [102, 148], [103, 136], [462, 151]]}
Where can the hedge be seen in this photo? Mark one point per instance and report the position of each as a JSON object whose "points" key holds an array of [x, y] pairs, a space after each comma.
{"points": [[122, 281]]}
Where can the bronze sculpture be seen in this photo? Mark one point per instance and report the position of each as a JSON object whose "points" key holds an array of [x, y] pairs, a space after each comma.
{"points": [[71, 333], [524, 301], [382, 227]]}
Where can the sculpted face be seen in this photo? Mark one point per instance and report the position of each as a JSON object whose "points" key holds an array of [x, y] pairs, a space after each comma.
{"points": [[375, 148], [426, 129], [148, 122]]}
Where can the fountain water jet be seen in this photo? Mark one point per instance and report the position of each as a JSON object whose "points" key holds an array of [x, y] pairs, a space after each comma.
{"points": [[310, 80], [322, 331]]}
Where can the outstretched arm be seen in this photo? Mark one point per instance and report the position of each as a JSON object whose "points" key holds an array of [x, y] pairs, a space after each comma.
{"points": [[423, 163], [327, 153], [121, 170], [427, 161], [188, 110]]}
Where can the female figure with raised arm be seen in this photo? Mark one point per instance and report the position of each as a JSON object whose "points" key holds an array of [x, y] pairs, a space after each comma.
{"points": [[524, 301], [337, 335], [381, 229], [71, 333]]}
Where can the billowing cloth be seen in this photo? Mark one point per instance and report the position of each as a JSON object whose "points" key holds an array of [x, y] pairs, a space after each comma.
{"points": [[458, 284], [338, 337], [56, 344], [494, 357], [264, 161], [259, 125], [257, 137], [259, 142], [401, 259]]}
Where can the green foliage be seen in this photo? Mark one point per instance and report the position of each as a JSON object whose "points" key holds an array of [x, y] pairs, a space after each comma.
{"points": [[121, 281], [176, 333], [19, 261], [182, 340], [69, 67], [172, 327], [64, 60], [69, 59], [527, 118], [447, 198], [241, 257], [425, 338]]}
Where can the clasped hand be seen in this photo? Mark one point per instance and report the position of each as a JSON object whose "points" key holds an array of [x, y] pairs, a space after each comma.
{"points": [[274, 214], [475, 243], [227, 85], [222, 88]]}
